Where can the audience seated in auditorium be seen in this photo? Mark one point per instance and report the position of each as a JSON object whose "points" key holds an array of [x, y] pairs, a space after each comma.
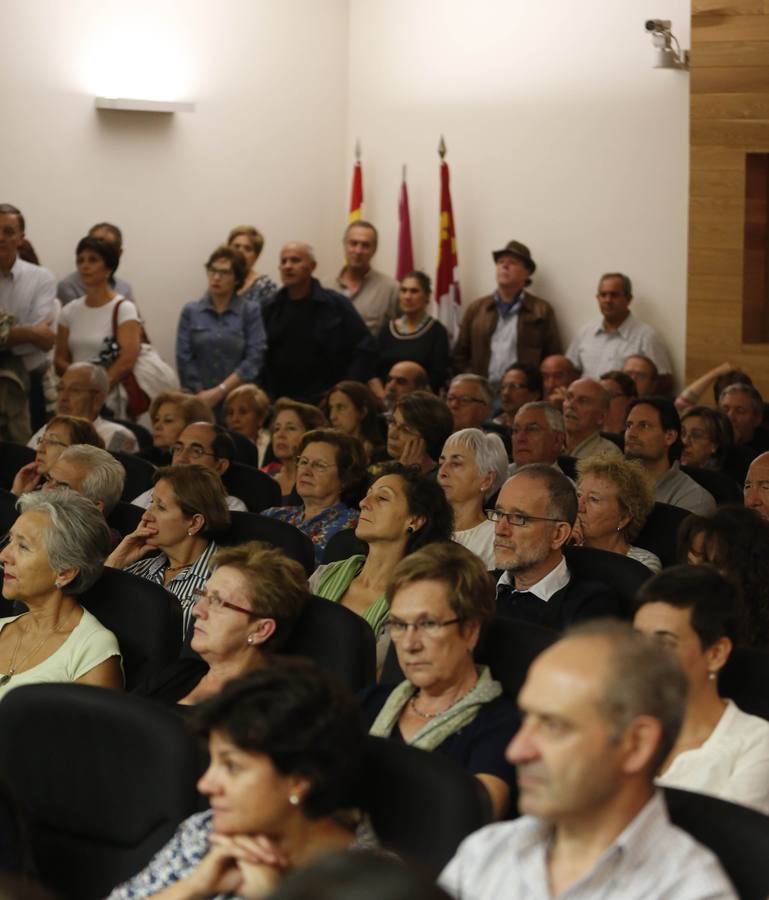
{"points": [[28, 307], [352, 409], [89, 471], [315, 337], [72, 286], [744, 407], [56, 551], [538, 435], [706, 437], [471, 469], [603, 345], [643, 371], [510, 325], [557, 372], [245, 412], [696, 614], [535, 513], [290, 420], [402, 511], [100, 326], [60, 432], [584, 411], [735, 541], [220, 341], [621, 389], [373, 294], [404, 378], [652, 436], [286, 750], [440, 598], [418, 429], [615, 497], [187, 510], [756, 489], [249, 242], [82, 391], [330, 474], [170, 413], [601, 710], [243, 614], [521, 383], [413, 336], [201, 444]]}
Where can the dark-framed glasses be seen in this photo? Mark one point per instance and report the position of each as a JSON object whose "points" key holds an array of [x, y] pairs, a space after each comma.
{"points": [[519, 519], [194, 451]]}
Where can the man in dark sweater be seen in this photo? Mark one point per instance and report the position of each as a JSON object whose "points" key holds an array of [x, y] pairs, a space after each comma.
{"points": [[535, 512]]}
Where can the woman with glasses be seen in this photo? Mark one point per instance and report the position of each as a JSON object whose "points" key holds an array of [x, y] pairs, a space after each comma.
{"points": [[330, 471], [419, 427], [440, 597], [707, 437], [244, 613], [471, 469], [220, 341], [188, 509], [290, 420], [401, 512], [60, 432]]}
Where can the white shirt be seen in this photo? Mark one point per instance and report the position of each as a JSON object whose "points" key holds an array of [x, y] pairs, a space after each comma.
{"points": [[233, 503], [732, 764], [555, 579], [28, 293], [90, 326], [650, 860], [595, 350], [480, 540]]}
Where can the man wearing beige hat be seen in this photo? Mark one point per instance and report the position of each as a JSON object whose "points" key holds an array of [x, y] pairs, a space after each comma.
{"points": [[511, 325]]}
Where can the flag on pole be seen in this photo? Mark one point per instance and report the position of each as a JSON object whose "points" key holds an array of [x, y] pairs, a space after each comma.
{"points": [[447, 295], [405, 253], [356, 194]]}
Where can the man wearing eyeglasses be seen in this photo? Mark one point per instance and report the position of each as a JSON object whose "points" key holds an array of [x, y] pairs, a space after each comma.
{"points": [[81, 392], [534, 516], [206, 445], [538, 435]]}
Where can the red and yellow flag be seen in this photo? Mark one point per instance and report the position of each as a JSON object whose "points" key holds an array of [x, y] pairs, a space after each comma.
{"points": [[447, 296]]}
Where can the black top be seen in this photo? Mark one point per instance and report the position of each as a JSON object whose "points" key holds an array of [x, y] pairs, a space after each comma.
{"points": [[174, 682], [428, 346], [579, 600]]}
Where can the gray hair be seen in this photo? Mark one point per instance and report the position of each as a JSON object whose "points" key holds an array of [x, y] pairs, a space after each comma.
{"points": [[562, 495], [488, 451], [483, 383], [553, 415], [106, 475], [77, 536], [645, 679], [99, 380], [627, 284], [756, 399]]}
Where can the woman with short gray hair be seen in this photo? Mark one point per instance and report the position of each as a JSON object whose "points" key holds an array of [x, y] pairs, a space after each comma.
{"points": [[56, 551], [473, 466]]}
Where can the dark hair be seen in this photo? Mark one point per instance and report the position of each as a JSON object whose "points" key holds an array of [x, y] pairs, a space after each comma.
{"points": [[198, 491], [350, 461], [28, 254], [669, 419], [117, 234], [714, 601], [222, 446], [422, 280], [625, 382], [719, 429], [533, 376], [627, 284], [364, 400], [736, 542], [426, 499], [562, 495], [428, 416], [361, 223], [239, 267], [733, 376], [8, 209], [109, 253], [305, 720]]}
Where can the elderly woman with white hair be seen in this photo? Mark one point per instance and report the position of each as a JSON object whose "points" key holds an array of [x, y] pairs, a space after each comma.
{"points": [[471, 469], [55, 552]]}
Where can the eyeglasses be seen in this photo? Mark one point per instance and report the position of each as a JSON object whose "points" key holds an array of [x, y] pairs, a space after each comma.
{"points": [[526, 429], [401, 427], [216, 602], [429, 628], [463, 401], [44, 441], [194, 451], [213, 270], [318, 465], [519, 519], [696, 434]]}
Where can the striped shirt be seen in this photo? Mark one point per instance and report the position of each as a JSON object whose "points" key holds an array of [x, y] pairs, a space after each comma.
{"points": [[184, 584]]}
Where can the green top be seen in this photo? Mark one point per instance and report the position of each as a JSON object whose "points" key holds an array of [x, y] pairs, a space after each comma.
{"points": [[337, 577]]}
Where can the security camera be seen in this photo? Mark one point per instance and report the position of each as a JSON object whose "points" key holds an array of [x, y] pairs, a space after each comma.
{"points": [[657, 24]]}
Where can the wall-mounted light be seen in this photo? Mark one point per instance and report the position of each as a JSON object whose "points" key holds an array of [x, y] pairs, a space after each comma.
{"points": [[666, 56], [153, 106]]}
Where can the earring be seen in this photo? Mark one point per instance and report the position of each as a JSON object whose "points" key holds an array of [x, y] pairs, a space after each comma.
{"points": [[189, 532], [410, 529], [250, 640], [293, 799], [57, 584], [712, 676]]}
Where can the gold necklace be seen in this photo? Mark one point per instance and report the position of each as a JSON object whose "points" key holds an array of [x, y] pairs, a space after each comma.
{"points": [[13, 667], [423, 715]]}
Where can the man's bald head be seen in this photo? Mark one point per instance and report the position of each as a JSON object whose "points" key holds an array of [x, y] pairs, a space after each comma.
{"points": [[405, 378], [297, 263]]}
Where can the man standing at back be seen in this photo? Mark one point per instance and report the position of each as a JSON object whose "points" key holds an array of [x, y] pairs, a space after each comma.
{"points": [[373, 294], [510, 325]]}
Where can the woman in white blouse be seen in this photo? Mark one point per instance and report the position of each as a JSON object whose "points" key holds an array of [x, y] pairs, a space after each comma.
{"points": [[720, 750], [471, 469]]}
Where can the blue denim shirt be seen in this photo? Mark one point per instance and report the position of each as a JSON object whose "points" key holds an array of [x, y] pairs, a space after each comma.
{"points": [[211, 345]]}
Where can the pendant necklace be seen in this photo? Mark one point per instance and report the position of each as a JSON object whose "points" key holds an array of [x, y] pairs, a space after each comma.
{"points": [[12, 668]]}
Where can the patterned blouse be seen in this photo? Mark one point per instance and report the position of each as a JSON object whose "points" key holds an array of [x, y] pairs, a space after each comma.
{"points": [[321, 528], [262, 289]]}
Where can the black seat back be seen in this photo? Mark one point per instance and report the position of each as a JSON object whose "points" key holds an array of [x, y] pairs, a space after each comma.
{"points": [[745, 679], [343, 545], [12, 458], [247, 526], [721, 487], [620, 573], [254, 487], [125, 517], [245, 450], [660, 532], [139, 475]]}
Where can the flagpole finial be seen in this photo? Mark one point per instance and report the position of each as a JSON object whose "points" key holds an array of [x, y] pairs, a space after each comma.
{"points": [[442, 148], [357, 150], [403, 172]]}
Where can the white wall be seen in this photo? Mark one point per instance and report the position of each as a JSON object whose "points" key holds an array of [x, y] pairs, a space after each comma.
{"points": [[559, 133]]}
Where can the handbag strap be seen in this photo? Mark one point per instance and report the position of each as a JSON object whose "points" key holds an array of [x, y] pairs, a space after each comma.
{"points": [[144, 338]]}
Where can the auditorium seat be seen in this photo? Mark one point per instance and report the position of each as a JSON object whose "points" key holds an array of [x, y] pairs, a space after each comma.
{"points": [[8, 511], [143, 435], [248, 526], [721, 487], [660, 532], [139, 475], [621, 573], [745, 679], [255, 488], [245, 450], [343, 545], [12, 458], [125, 517], [102, 778]]}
